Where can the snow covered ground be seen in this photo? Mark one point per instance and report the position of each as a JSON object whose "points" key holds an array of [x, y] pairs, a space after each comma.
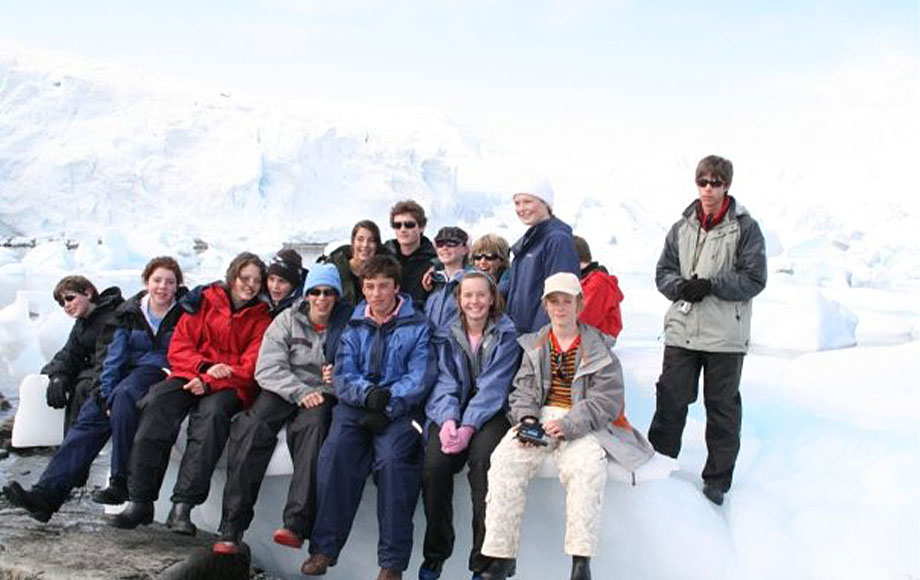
{"points": [[828, 481]]}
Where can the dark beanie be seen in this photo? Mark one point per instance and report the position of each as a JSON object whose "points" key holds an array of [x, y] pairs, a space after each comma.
{"points": [[287, 263]]}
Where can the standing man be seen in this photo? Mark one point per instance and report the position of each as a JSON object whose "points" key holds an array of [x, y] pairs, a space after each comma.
{"points": [[412, 249], [713, 263], [545, 249], [382, 371]]}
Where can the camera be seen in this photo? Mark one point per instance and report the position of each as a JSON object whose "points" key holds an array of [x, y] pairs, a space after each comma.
{"points": [[439, 277], [684, 307], [531, 431]]}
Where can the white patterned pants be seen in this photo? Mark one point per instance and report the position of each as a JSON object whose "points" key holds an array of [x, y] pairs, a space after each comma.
{"points": [[582, 466]]}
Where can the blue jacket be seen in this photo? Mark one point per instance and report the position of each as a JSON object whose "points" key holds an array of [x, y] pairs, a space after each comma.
{"points": [[441, 305], [545, 249], [132, 342], [396, 355], [468, 393]]}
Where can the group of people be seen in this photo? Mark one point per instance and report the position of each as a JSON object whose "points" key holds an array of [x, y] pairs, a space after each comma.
{"points": [[408, 361]]}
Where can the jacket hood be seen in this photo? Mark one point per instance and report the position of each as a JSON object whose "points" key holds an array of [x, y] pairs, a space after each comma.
{"points": [[735, 209], [594, 352], [425, 249], [407, 310], [539, 232]]}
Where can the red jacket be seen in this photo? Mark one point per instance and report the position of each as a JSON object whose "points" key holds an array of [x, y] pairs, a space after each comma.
{"points": [[216, 334], [602, 301]]}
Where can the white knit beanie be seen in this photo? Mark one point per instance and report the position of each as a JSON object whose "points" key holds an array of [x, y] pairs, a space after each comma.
{"points": [[541, 189]]}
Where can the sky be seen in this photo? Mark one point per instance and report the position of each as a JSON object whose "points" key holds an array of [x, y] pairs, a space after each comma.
{"points": [[580, 86]]}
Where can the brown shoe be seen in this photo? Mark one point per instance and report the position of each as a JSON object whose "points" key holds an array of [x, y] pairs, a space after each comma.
{"points": [[317, 564], [389, 574]]}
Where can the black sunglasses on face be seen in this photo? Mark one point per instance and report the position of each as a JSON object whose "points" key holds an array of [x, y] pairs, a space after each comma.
{"points": [[489, 257], [703, 182], [447, 244], [407, 225], [322, 292], [68, 298]]}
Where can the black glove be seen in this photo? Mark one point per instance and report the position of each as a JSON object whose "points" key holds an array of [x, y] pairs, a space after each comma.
{"points": [[377, 399], [58, 393], [695, 289], [375, 422]]}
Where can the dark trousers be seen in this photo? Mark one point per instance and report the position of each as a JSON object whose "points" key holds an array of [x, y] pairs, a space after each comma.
{"points": [[82, 390], [249, 451], [438, 492], [164, 408], [348, 456], [677, 388], [69, 467]]}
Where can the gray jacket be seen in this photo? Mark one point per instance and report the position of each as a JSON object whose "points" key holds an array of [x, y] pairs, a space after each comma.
{"points": [[597, 395], [732, 255], [291, 358]]}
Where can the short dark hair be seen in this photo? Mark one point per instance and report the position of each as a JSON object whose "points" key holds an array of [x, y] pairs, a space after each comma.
{"points": [[382, 266], [242, 260], [715, 165], [78, 284], [167, 262], [409, 206], [369, 226], [582, 249]]}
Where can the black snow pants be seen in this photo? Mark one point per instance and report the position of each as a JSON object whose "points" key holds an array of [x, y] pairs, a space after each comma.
{"points": [[678, 387], [163, 410], [252, 442]]}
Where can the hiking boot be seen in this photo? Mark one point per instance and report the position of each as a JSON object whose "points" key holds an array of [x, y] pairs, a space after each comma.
{"points": [[581, 568], [498, 569], [136, 513], [32, 501], [179, 519], [228, 543], [115, 494], [317, 564], [428, 573], [286, 537], [389, 574], [713, 493]]}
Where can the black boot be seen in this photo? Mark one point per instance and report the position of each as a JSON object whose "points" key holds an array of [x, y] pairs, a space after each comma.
{"points": [[179, 519], [136, 513], [38, 507], [581, 568], [498, 569], [116, 493], [714, 493]]}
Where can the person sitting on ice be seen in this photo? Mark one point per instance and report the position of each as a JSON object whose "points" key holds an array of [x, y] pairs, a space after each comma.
{"points": [[478, 355], [382, 371], [284, 284], [72, 371], [452, 248], [350, 258], [602, 293], [212, 358], [566, 402], [134, 345], [295, 373]]}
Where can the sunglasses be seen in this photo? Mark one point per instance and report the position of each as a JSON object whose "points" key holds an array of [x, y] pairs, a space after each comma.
{"points": [[489, 257], [703, 182], [447, 243], [409, 225], [68, 298], [326, 293]]}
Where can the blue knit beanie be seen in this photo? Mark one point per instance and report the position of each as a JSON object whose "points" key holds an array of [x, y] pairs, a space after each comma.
{"points": [[324, 275]]}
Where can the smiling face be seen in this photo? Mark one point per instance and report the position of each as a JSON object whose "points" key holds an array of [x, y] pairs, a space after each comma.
{"points": [[530, 210], [380, 293], [451, 254], [161, 286], [475, 300], [363, 246], [322, 301], [278, 288], [247, 284]]}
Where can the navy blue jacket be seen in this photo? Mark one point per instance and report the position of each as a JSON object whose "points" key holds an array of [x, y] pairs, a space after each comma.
{"points": [[131, 342], [545, 249], [396, 355], [467, 394]]}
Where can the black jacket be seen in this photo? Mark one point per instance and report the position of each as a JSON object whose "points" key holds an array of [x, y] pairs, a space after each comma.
{"points": [[77, 359], [414, 267]]}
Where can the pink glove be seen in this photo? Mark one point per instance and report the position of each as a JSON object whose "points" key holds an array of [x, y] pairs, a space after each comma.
{"points": [[464, 434], [448, 435]]}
